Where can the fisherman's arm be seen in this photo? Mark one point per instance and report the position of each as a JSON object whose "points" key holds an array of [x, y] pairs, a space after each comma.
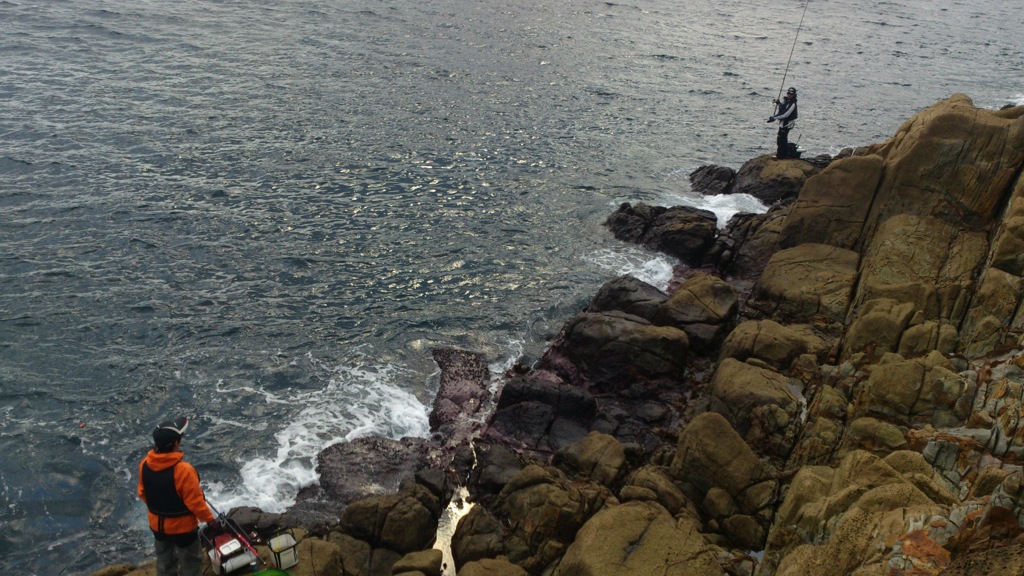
{"points": [[192, 494]]}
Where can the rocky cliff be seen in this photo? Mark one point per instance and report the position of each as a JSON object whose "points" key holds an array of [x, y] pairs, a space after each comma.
{"points": [[833, 387]]}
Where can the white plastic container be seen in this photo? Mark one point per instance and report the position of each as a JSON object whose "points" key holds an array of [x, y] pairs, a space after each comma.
{"points": [[282, 547]]}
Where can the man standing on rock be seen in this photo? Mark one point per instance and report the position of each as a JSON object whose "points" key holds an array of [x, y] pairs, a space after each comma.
{"points": [[786, 115], [170, 488]]}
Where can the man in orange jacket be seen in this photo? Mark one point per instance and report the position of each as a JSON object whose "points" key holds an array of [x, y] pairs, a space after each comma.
{"points": [[170, 488]]}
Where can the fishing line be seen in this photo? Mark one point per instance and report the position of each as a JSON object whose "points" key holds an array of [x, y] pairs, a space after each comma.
{"points": [[791, 50]]}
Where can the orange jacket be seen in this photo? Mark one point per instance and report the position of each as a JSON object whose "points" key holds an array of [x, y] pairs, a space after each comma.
{"points": [[186, 482]]}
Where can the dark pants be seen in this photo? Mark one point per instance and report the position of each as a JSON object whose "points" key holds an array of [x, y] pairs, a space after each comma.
{"points": [[783, 142], [178, 551]]}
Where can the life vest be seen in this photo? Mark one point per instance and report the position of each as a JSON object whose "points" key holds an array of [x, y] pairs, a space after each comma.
{"points": [[162, 496]]}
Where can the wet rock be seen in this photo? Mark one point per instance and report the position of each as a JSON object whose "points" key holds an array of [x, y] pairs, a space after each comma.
{"points": [[463, 388], [540, 412], [629, 295], [367, 466], [681, 231], [617, 352], [746, 243], [712, 180]]}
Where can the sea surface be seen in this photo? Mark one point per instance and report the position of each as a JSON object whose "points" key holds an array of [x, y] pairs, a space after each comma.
{"points": [[266, 214]]}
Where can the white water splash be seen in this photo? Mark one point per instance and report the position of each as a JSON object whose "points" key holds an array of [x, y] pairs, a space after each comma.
{"points": [[725, 206], [650, 267], [357, 402]]}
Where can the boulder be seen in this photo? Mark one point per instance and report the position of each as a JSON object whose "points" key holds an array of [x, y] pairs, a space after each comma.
{"points": [[920, 339], [540, 412], [544, 511], [366, 466], [771, 342], [597, 456], [712, 180], [658, 484], [495, 465], [711, 458], [425, 562], [746, 243], [919, 391], [834, 520], [923, 261], [760, 405], [638, 538], [629, 295], [317, 558], [492, 567], [681, 231], [478, 536], [702, 306], [878, 328], [1008, 245], [405, 521], [772, 181], [992, 313], [951, 161], [806, 281], [834, 204], [618, 352]]}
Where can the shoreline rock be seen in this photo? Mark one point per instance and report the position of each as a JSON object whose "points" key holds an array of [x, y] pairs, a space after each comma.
{"points": [[834, 387]]}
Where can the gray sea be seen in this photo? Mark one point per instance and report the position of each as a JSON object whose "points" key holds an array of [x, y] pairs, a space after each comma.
{"points": [[264, 215]]}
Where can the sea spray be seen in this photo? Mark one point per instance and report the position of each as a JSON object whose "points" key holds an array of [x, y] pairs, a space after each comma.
{"points": [[357, 402]]}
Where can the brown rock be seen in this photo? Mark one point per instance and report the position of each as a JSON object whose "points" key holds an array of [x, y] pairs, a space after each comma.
{"points": [[405, 521], [702, 306], [771, 181], [770, 342], [629, 295], [597, 456], [477, 536], [833, 205], [492, 567], [638, 538], [759, 404], [618, 352], [922, 390], [923, 261], [808, 280], [425, 562]]}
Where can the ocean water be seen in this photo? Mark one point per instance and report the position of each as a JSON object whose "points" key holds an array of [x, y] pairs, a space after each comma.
{"points": [[265, 215]]}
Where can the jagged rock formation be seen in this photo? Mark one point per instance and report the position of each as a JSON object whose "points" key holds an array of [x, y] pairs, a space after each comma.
{"points": [[835, 387]]}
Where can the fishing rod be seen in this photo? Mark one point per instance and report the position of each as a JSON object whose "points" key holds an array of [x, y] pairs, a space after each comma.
{"points": [[225, 521], [791, 50]]}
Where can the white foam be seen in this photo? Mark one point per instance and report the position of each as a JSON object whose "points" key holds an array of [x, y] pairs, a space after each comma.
{"points": [[725, 206], [1017, 100], [357, 401], [650, 267]]}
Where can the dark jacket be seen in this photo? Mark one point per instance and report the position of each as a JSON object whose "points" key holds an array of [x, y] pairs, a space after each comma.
{"points": [[786, 114]]}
